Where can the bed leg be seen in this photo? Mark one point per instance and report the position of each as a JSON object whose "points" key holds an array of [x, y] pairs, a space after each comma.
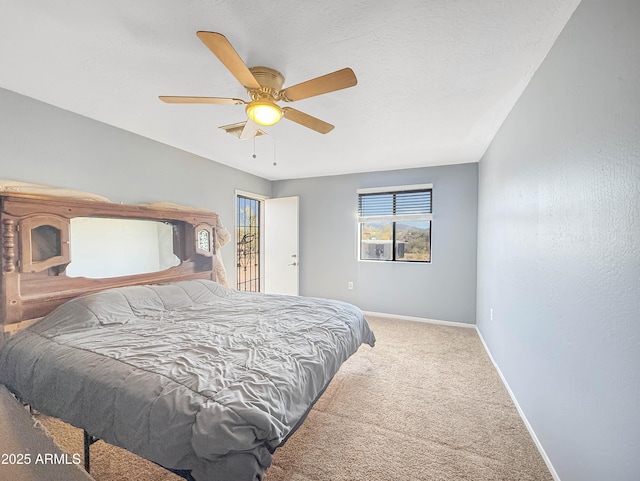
{"points": [[88, 441], [87, 452]]}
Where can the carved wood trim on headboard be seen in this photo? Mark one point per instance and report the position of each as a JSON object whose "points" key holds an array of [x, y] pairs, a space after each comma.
{"points": [[32, 284], [8, 245]]}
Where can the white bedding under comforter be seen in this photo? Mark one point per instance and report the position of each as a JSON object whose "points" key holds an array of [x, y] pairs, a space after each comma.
{"points": [[190, 375]]}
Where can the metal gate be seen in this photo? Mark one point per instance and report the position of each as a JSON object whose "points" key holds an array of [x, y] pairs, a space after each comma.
{"points": [[248, 244]]}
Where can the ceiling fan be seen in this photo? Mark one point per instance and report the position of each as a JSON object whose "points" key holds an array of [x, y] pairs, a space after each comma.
{"points": [[264, 86]]}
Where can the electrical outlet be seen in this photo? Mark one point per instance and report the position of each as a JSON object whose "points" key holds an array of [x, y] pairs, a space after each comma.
{"points": [[350, 285], [491, 314]]}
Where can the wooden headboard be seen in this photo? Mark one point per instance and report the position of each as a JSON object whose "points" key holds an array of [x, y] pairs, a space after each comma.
{"points": [[35, 237]]}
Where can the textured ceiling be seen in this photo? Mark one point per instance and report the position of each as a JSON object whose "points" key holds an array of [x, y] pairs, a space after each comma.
{"points": [[435, 78]]}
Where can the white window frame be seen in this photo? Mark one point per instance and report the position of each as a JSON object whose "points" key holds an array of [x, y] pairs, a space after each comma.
{"points": [[394, 218]]}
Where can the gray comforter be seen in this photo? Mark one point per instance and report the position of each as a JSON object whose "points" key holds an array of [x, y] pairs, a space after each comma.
{"points": [[190, 375]]}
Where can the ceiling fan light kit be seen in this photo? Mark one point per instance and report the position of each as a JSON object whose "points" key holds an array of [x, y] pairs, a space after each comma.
{"points": [[264, 87], [264, 112]]}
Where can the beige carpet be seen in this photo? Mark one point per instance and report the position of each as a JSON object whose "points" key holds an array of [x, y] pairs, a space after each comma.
{"points": [[424, 404]]}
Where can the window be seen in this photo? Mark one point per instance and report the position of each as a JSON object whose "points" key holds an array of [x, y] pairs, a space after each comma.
{"points": [[248, 244], [395, 223]]}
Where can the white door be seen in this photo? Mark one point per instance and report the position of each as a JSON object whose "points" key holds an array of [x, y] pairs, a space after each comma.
{"points": [[281, 246]]}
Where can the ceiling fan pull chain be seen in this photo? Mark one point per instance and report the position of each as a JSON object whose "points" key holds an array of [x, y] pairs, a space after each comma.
{"points": [[274, 152]]}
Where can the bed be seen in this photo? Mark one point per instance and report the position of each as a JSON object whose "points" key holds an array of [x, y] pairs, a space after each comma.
{"points": [[201, 379]]}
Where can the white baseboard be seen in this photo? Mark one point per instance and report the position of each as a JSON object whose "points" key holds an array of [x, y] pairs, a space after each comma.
{"points": [[545, 458], [420, 319]]}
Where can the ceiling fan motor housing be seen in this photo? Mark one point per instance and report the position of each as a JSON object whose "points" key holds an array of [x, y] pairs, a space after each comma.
{"points": [[263, 108], [271, 82]]}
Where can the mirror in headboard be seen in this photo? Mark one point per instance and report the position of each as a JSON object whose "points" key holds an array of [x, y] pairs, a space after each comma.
{"points": [[110, 247], [57, 248]]}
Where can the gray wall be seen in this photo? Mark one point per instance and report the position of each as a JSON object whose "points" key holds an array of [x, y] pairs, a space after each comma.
{"points": [[559, 246], [42, 144], [443, 290]]}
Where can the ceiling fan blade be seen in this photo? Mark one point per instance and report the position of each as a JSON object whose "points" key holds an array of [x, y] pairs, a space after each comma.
{"points": [[222, 49], [338, 80], [307, 120], [200, 100], [249, 130]]}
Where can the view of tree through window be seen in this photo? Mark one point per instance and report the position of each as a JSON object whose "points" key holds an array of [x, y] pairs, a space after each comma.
{"points": [[413, 241]]}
